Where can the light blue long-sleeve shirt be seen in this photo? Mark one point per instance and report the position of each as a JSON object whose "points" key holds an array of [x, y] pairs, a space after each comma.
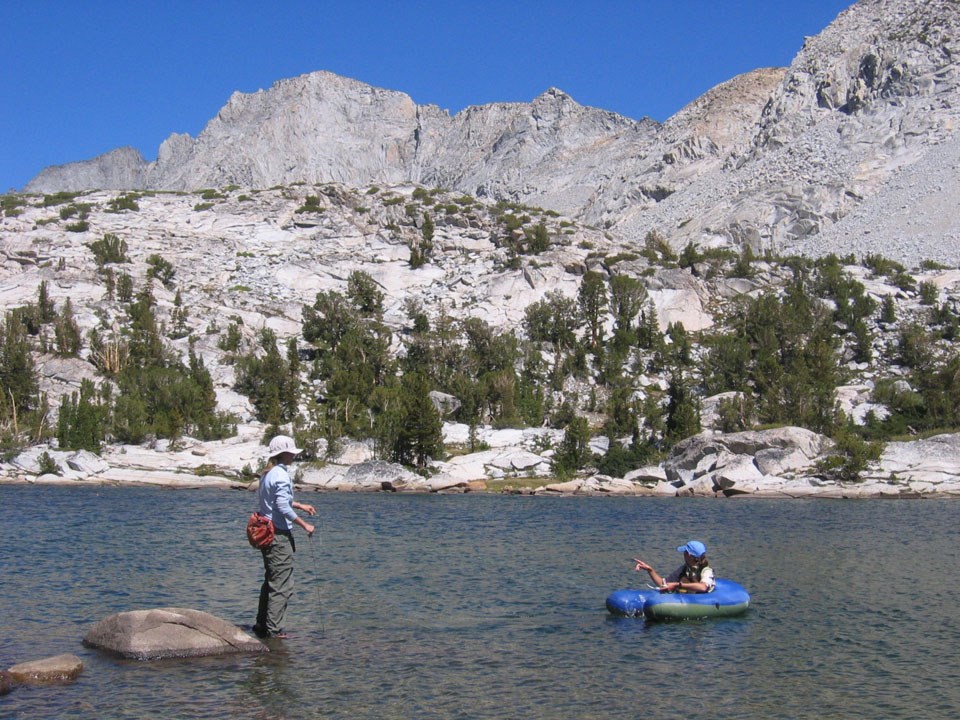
{"points": [[276, 498]]}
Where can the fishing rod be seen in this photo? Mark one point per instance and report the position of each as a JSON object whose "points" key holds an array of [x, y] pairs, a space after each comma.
{"points": [[316, 582]]}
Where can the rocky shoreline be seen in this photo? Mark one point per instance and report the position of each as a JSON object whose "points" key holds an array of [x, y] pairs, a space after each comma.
{"points": [[777, 463]]}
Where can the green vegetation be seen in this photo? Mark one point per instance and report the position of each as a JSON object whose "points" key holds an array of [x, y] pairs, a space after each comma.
{"points": [[160, 269], [593, 359], [310, 205], [11, 204], [127, 201], [59, 198], [111, 249]]}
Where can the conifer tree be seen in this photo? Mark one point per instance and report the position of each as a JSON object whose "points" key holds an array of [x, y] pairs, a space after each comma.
{"points": [[574, 451], [67, 332], [627, 295], [80, 423], [592, 300], [18, 375], [420, 437], [683, 413]]}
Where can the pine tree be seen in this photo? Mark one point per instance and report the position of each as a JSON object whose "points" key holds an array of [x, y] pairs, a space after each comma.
{"points": [[67, 332], [415, 424], [18, 375], [683, 414], [627, 295], [574, 451], [592, 300]]}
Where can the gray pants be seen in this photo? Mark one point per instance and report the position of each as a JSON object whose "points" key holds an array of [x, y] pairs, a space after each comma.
{"points": [[277, 585]]}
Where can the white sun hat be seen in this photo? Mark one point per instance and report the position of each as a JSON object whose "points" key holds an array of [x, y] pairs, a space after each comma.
{"points": [[282, 444]]}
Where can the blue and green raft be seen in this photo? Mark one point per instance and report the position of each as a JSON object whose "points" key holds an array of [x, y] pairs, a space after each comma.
{"points": [[728, 599]]}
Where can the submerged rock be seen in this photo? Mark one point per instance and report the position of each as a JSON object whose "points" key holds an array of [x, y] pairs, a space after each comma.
{"points": [[59, 669], [169, 633], [6, 682]]}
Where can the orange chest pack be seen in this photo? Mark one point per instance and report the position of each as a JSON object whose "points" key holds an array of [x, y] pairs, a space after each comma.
{"points": [[260, 531]]}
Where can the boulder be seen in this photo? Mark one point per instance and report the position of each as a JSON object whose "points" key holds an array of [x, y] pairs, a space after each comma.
{"points": [[84, 461], [446, 483], [59, 669], [566, 488], [665, 489], [328, 475], [382, 475], [619, 486], [647, 475], [445, 404], [701, 487], [169, 633], [777, 461], [791, 447], [353, 453], [6, 682], [738, 469]]}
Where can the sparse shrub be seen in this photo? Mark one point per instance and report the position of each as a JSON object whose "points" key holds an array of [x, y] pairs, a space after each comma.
{"points": [[888, 310], [110, 249], [929, 293], [58, 198], [127, 201], [48, 466], [11, 204], [230, 341], [124, 288], [310, 205], [849, 458], [656, 249], [160, 269]]}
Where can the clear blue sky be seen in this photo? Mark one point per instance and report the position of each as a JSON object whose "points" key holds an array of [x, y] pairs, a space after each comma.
{"points": [[81, 77]]}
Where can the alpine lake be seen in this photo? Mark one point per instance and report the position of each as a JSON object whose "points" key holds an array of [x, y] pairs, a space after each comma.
{"points": [[490, 606]]}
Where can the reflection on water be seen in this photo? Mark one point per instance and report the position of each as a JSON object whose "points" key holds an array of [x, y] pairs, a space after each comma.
{"points": [[492, 607]]}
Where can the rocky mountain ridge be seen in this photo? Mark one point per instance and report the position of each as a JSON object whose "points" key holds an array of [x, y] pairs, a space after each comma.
{"points": [[777, 159]]}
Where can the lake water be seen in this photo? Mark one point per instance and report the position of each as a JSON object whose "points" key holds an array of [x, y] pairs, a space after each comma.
{"points": [[417, 606]]}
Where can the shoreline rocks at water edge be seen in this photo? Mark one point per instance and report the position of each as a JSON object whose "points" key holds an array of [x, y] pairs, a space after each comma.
{"points": [[781, 462]]}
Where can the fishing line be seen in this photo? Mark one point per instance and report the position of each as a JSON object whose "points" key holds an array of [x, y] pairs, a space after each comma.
{"points": [[316, 582]]}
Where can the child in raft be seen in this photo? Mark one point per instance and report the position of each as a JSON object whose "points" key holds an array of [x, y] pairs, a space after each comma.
{"points": [[694, 576]]}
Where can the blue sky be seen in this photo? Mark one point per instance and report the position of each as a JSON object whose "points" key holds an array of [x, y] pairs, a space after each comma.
{"points": [[81, 77]]}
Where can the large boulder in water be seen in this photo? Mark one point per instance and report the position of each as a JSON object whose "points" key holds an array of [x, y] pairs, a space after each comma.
{"points": [[169, 632]]}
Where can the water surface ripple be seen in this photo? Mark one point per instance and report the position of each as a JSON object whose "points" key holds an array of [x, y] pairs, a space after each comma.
{"points": [[415, 606]]}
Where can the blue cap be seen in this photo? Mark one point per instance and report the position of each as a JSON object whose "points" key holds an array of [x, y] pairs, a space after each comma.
{"points": [[694, 547]]}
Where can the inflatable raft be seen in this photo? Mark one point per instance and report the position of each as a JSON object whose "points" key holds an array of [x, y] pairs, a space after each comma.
{"points": [[727, 599]]}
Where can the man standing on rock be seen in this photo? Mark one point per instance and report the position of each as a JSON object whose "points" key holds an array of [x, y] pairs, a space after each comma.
{"points": [[276, 502]]}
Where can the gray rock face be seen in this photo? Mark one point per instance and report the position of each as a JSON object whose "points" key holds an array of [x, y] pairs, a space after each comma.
{"points": [[863, 102], [324, 128], [169, 633], [753, 461], [774, 158], [118, 169]]}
